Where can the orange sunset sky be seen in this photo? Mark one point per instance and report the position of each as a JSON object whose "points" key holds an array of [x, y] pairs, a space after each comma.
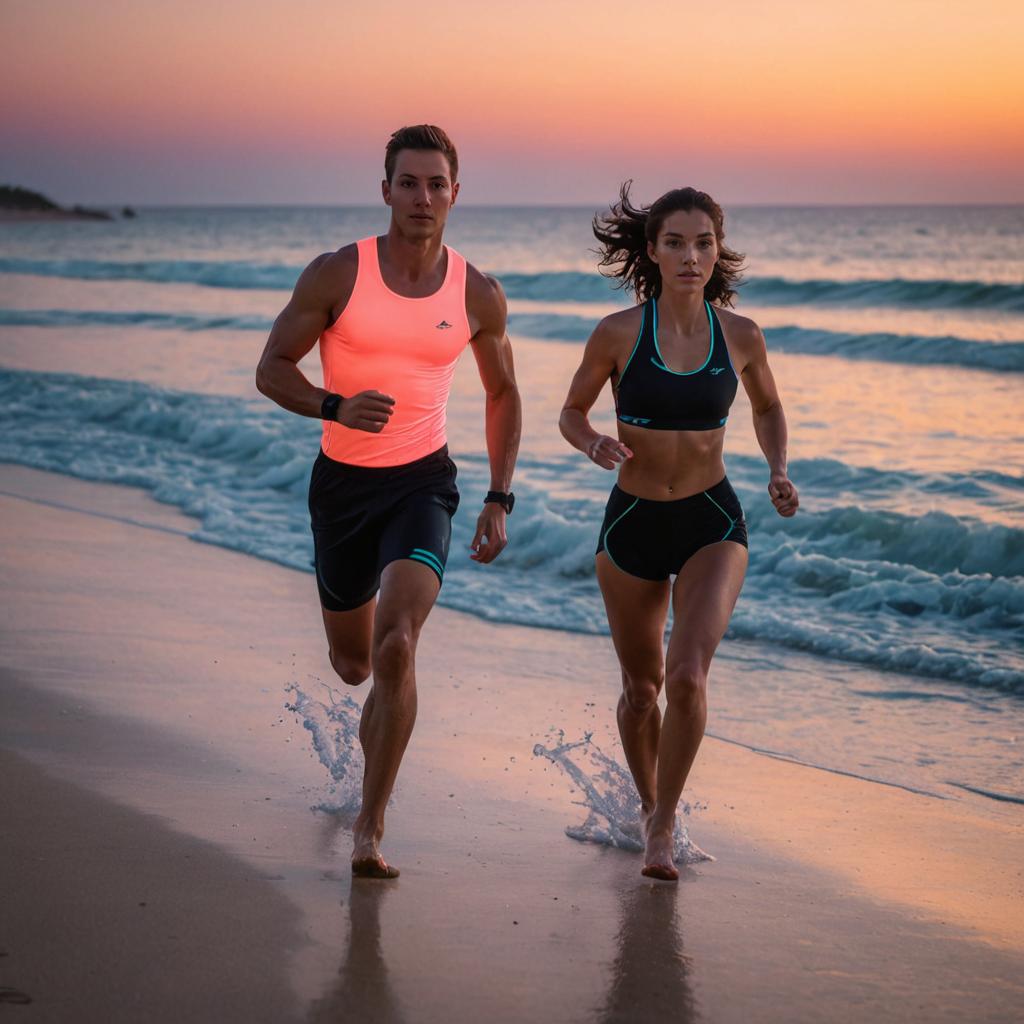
{"points": [[549, 101]]}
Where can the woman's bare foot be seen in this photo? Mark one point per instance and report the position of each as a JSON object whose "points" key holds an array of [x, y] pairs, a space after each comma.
{"points": [[367, 861], [658, 857], [645, 819], [638, 829]]}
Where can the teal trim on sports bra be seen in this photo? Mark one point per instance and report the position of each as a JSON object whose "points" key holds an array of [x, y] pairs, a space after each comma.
{"points": [[636, 344], [660, 361], [656, 397]]}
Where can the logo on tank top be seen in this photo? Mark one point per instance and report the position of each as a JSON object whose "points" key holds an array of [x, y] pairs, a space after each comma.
{"points": [[715, 370], [443, 326]]}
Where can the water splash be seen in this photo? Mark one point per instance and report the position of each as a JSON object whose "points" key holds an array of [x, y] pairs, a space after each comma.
{"points": [[335, 732], [610, 799]]}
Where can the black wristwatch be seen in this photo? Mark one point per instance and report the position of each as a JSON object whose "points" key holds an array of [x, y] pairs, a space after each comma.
{"points": [[506, 501], [329, 407]]}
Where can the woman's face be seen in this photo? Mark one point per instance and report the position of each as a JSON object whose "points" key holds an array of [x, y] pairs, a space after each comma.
{"points": [[686, 251]]}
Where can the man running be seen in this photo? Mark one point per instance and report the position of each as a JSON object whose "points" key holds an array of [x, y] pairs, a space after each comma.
{"points": [[392, 315]]}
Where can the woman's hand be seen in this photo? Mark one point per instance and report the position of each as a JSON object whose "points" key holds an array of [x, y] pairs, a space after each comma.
{"points": [[607, 452], [783, 495]]}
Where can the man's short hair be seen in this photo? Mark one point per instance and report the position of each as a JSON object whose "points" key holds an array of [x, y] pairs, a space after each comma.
{"points": [[420, 136]]}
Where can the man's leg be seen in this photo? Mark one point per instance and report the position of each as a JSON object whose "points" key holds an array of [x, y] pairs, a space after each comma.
{"points": [[407, 593], [349, 635]]}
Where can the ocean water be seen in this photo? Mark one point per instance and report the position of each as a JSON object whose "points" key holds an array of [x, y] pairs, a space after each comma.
{"points": [[880, 632]]}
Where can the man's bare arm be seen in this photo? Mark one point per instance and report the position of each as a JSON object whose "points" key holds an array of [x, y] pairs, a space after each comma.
{"points": [[294, 333], [503, 413], [323, 287]]}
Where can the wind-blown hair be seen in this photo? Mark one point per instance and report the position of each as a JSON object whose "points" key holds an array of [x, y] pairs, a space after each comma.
{"points": [[420, 136], [625, 230]]}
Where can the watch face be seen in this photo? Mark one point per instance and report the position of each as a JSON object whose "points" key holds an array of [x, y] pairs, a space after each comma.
{"points": [[329, 408], [509, 503]]}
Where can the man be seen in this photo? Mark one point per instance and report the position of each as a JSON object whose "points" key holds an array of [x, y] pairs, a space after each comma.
{"points": [[392, 314]]}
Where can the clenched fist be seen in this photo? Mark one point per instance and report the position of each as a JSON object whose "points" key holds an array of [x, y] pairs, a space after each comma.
{"points": [[369, 410]]}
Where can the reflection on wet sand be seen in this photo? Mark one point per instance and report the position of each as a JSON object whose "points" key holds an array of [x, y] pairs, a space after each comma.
{"points": [[650, 976], [363, 990], [650, 973]]}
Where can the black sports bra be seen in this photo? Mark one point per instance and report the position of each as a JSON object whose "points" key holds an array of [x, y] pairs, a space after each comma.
{"points": [[651, 395]]}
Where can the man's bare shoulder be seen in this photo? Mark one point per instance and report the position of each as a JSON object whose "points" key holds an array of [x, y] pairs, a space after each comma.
{"points": [[329, 277], [485, 301], [483, 290], [333, 266]]}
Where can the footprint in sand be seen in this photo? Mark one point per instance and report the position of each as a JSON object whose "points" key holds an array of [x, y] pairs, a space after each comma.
{"points": [[12, 995]]}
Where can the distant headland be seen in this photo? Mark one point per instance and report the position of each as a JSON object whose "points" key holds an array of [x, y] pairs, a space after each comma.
{"points": [[17, 203]]}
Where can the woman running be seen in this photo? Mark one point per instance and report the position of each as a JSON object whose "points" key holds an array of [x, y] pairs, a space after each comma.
{"points": [[674, 360]]}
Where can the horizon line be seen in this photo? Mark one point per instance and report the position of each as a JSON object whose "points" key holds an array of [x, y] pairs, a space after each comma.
{"points": [[247, 204]]}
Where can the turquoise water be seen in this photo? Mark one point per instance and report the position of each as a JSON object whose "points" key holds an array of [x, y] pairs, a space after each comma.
{"points": [[879, 632]]}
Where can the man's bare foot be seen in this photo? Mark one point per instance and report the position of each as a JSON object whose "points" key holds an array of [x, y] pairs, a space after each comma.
{"points": [[373, 867], [367, 861], [658, 857]]}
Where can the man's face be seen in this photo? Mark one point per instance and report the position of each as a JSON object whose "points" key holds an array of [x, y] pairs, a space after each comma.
{"points": [[420, 192]]}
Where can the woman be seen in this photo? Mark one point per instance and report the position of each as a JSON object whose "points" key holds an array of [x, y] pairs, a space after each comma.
{"points": [[674, 361]]}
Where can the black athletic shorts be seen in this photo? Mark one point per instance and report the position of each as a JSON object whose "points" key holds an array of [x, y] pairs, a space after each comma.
{"points": [[365, 517], [654, 539]]}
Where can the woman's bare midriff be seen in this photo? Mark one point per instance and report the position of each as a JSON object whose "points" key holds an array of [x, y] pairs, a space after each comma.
{"points": [[670, 464]]}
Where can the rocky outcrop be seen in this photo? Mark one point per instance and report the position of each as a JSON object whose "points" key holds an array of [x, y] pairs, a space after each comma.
{"points": [[17, 203]]}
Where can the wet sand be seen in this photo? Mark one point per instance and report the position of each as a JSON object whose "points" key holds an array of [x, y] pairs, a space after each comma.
{"points": [[146, 757]]}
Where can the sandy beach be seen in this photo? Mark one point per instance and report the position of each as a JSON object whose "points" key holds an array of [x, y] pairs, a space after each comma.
{"points": [[161, 860]]}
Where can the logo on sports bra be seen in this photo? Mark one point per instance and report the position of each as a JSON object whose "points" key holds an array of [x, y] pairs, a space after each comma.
{"points": [[715, 370], [639, 420], [443, 325]]}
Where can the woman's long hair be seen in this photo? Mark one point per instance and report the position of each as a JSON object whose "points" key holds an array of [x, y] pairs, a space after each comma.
{"points": [[625, 230]]}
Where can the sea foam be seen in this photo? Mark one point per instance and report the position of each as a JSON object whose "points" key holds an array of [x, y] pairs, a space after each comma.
{"points": [[849, 578], [912, 350], [554, 285]]}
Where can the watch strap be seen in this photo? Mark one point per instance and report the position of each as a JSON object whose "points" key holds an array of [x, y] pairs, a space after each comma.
{"points": [[505, 499]]}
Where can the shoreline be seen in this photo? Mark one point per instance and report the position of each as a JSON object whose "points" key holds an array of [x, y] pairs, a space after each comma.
{"points": [[131, 664]]}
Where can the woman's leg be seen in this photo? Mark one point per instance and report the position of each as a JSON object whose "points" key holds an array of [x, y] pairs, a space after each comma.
{"points": [[637, 610], [703, 598]]}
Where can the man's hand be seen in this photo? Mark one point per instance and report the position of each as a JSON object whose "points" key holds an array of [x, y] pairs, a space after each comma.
{"points": [[369, 410], [608, 452], [783, 495], [490, 525]]}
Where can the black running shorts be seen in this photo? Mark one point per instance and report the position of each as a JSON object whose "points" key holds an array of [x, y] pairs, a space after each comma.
{"points": [[654, 539], [365, 517]]}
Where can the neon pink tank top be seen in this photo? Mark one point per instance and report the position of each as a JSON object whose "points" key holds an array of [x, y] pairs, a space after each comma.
{"points": [[406, 348]]}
